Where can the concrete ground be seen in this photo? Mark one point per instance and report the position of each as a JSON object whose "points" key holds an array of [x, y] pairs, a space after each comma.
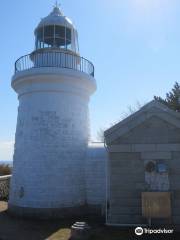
{"points": [[12, 228]]}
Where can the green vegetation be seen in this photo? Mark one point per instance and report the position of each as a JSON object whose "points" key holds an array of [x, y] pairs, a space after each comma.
{"points": [[172, 99], [5, 169]]}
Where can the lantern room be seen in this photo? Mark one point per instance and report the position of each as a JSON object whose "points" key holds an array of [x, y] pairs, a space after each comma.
{"points": [[56, 31]]}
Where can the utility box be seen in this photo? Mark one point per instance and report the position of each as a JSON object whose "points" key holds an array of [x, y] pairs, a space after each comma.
{"points": [[156, 204]]}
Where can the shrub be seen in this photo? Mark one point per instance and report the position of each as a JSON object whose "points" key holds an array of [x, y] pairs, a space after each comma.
{"points": [[5, 169]]}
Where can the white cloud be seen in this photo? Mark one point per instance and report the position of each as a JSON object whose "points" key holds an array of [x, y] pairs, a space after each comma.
{"points": [[6, 149]]}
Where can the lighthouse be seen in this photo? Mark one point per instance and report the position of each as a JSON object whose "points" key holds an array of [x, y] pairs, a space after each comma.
{"points": [[54, 84]]}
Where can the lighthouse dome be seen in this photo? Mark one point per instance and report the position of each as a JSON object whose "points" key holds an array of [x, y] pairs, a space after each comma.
{"points": [[57, 31], [56, 17]]}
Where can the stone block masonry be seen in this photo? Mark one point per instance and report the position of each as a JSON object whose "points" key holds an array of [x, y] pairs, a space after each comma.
{"points": [[51, 140], [4, 187], [95, 175]]}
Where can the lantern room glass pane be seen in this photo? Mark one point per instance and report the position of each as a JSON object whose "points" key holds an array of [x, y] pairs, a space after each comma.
{"points": [[59, 42], [48, 31], [49, 41], [54, 36], [76, 42], [40, 34], [68, 44], [68, 34], [60, 32]]}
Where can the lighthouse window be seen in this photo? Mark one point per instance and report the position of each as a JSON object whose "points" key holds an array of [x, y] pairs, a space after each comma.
{"points": [[40, 34], [55, 36], [59, 37], [39, 38], [59, 42], [68, 38], [68, 34], [68, 44], [59, 32], [48, 31], [76, 41], [48, 36]]}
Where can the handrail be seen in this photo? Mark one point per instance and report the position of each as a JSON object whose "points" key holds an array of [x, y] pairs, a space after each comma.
{"points": [[54, 59]]}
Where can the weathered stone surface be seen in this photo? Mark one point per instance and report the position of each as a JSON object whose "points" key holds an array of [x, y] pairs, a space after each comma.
{"points": [[95, 174], [154, 130], [145, 136], [156, 155], [168, 147], [126, 219], [143, 147], [176, 219], [51, 138], [150, 122], [124, 210], [4, 187], [126, 202]]}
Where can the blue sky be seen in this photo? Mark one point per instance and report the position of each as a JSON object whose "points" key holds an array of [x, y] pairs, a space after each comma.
{"points": [[134, 45]]}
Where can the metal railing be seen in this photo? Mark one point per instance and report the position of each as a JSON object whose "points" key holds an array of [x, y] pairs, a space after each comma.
{"points": [[54, 59]]}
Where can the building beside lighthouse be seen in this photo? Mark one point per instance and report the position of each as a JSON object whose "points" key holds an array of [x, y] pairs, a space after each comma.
{"points": [[143, 170], [54, 85]]}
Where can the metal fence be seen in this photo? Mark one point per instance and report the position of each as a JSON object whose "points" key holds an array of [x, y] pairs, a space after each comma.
{"points": [[54, 59]]}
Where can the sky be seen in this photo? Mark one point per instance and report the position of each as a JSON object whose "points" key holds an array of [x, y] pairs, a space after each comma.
{"points": [[134, 45]]}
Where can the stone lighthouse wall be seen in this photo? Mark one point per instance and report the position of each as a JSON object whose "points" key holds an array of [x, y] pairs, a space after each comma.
{"points": [[95, 175], [51, 140]]}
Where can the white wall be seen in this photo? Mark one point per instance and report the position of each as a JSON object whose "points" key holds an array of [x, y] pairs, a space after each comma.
{"points": [[95, 172], [51, 138]]}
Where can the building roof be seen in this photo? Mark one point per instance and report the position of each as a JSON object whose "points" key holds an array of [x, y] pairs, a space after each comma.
{"points": [[153, 108]]}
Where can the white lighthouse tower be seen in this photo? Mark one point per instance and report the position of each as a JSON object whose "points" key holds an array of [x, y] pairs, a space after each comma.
{"points": [[53, 84]]}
